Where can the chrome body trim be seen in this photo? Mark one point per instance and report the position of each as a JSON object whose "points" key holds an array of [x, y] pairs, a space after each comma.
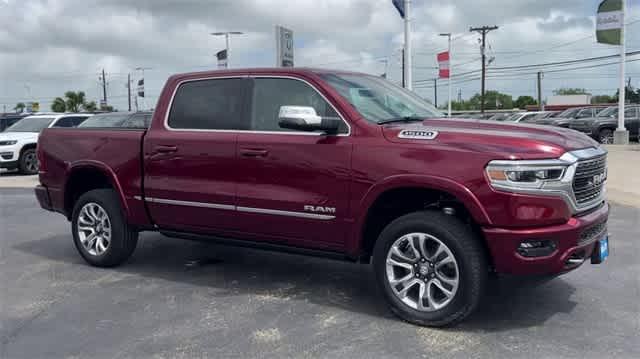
{"points": [[228, 207], [295, 133], [285, 213]]}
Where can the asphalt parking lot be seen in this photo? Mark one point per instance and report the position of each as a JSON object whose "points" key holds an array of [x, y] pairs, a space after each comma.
{"points": [[180, 299]]}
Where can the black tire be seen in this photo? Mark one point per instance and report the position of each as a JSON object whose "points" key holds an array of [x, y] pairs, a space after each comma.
{"points": [[123, 238], [467, 251], [28, 162], [605, 136]]}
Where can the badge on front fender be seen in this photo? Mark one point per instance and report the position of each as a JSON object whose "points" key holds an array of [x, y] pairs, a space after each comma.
{"points": [[418, 135]]}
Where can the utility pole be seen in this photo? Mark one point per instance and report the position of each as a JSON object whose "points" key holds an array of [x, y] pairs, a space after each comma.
{"points": [[621, 135], [540, 104], [403, 73], [435, 92], [129, 90], [484, 30], [104, 89], [459, 95], [407, 45]]}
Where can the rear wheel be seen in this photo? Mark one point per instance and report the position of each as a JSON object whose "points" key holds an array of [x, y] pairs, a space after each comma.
{"points": [[28, 162], [100, 231], [431, 268], [606, 136]]}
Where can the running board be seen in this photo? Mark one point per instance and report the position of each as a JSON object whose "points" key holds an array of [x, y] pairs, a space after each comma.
{"points": [[259, 245]]}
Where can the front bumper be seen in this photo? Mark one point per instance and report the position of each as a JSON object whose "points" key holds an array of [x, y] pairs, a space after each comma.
{"points": [[9, 156], [574, 243]]}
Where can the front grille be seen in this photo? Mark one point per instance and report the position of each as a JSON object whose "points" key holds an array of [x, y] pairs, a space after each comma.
{"points": [[588, 182], [592, 233], [6, 155]]}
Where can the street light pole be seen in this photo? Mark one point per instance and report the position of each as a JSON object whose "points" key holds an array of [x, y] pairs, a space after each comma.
{"points": [[227, 34], [448, 35], [408, 82]]}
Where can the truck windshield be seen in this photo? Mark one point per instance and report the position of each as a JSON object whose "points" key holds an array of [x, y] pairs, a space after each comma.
{"points": [[608, 112], [378, 100], [569, 113], [31, 124]]}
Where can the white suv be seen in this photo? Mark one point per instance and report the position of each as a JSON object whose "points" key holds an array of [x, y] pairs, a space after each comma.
{"points": [[18, 142]]}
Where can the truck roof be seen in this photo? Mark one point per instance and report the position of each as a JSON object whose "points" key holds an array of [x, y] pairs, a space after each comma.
{"points": [[266, 70]]}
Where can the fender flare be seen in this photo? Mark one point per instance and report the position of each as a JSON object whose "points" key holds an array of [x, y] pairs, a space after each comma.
{"points": [[459, 191], [102, 167]]}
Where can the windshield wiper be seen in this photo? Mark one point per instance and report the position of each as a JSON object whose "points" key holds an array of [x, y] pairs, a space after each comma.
{"points": [[403, 119]]}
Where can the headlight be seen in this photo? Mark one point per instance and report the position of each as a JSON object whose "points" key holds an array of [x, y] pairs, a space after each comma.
{"points": [[8, 143], [530, 175]]}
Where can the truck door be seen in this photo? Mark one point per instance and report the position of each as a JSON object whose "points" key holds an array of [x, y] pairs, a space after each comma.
{"points": [[190, 156], [293, 185]]}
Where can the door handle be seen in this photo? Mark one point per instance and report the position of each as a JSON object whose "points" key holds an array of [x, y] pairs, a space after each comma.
{"points": [[165, 149], [253, 152]]}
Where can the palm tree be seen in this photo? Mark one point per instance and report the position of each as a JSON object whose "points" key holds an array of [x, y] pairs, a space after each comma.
{"points": [[59, 105], [19, 107], [90, 106], [74, 100]]}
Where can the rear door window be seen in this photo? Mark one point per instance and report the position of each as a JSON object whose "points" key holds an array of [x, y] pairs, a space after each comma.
{"points": [[216, 104]]}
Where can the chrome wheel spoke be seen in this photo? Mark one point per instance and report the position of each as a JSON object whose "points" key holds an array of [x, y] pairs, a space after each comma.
{"points": [[398, 253], [407, 285], [393, 262]]}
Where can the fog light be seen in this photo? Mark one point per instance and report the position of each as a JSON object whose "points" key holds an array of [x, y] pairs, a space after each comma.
{"points": [[541, 248]]}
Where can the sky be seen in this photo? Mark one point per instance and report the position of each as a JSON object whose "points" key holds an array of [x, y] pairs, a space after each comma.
{"points": [[50, 46]]}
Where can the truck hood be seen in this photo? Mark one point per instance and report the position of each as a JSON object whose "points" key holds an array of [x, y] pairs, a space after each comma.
{"points": [[510, 141], [19, 136]]}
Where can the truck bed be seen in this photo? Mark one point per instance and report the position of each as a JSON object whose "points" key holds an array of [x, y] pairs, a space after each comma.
{"points": [[117, 152]]}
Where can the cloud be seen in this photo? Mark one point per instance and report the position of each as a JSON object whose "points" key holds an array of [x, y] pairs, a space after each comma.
{"points": [[56, 45]]}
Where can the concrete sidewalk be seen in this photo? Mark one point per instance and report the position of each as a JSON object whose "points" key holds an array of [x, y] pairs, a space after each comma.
{"points": [[623, 184]]}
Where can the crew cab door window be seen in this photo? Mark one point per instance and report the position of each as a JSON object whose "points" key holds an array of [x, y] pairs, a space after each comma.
{"points": [[217, 104], [269, 94], [585, 113], [630, 113]]}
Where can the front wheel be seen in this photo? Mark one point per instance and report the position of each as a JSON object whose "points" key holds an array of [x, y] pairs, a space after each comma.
{"points": [[28, 162], [606, 136], [431, 268], [100, 232]]}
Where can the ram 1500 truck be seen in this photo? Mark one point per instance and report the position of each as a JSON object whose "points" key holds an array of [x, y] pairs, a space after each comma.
{"points": [[339, 164]]}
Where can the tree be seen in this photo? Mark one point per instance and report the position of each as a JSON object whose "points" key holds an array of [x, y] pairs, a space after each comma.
{"points": [[565, 91], [58, 105], [631, 95], [20, 106], [90, 106], [74, 100], [493, 100], [523, 101], [602, 99]]}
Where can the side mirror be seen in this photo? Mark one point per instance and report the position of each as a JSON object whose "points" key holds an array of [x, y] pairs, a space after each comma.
{"points": [[304, 118]]}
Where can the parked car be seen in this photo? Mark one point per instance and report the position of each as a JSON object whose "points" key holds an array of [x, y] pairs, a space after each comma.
{"points": [[18, 142], [338, 164], [118, 119], [523, 117], [601, 128], [500, 116], [9, 119], [564, 118]]}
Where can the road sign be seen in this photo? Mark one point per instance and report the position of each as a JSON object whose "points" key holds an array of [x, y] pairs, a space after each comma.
{"points": [[284, 47]]}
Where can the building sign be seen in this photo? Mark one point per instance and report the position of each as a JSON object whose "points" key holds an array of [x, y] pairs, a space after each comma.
{"points": [[284, 47]]}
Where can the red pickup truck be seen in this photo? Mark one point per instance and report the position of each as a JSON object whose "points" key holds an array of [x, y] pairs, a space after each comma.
{"points": [[338, 164]]}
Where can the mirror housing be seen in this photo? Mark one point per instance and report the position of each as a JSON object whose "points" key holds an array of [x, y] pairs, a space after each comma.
{"points": [[305, 118]]}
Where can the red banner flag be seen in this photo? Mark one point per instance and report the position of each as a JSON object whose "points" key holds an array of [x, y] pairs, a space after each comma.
{"points": [[443, 64]]}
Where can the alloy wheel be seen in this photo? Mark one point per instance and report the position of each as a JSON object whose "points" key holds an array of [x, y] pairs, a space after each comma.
{"points": [[94, 229], [422, 272]]}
